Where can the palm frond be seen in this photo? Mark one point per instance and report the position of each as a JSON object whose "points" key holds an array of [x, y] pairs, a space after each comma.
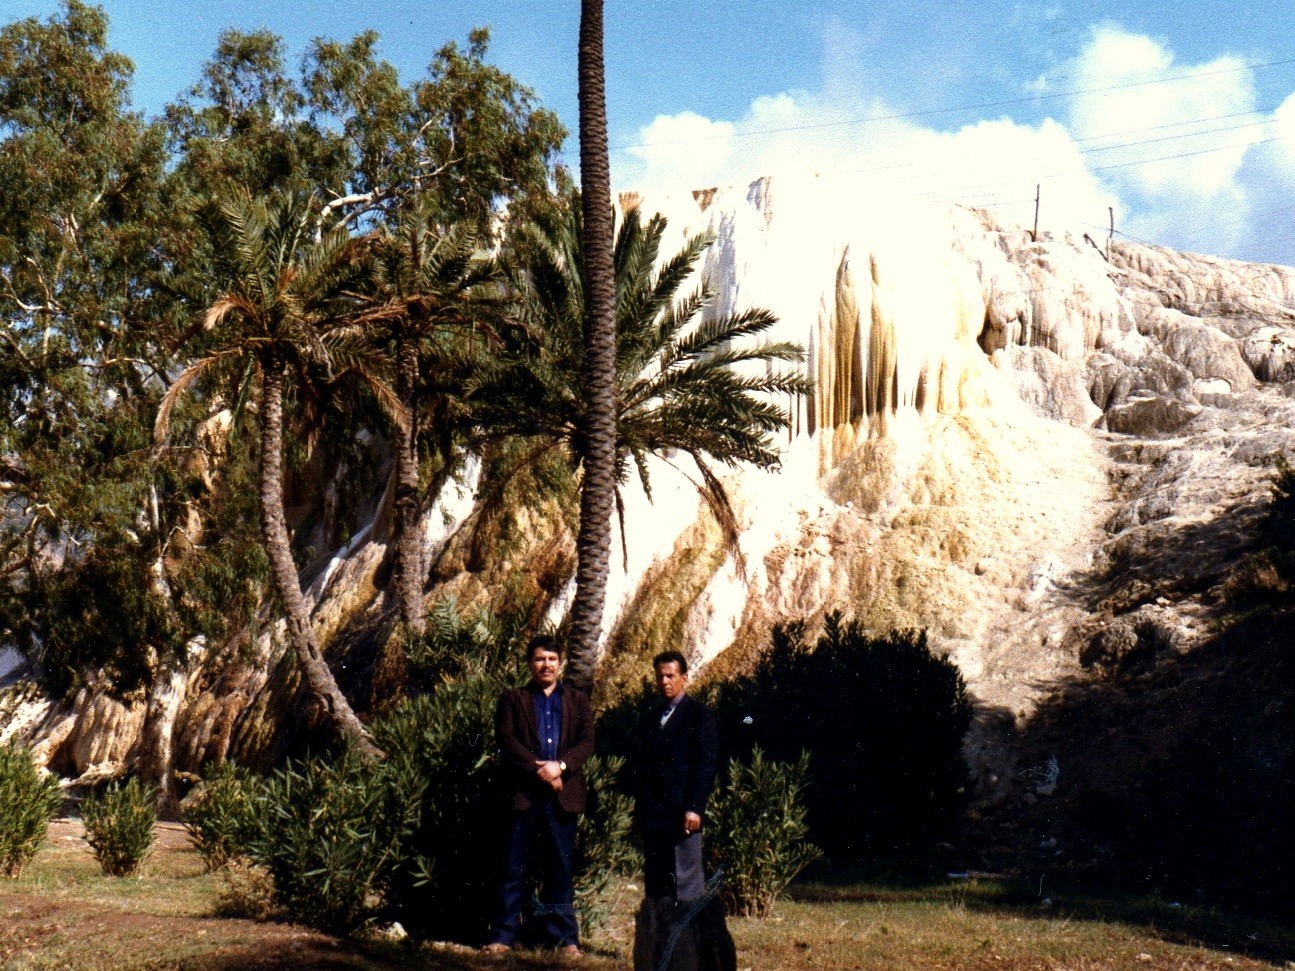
{"points": [[224, 306], [686, 382], [162, 424], [386, 397], [721, 506], [718, 332]]}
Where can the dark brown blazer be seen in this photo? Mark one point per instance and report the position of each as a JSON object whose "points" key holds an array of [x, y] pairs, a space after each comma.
{"points": [[518, 737]]}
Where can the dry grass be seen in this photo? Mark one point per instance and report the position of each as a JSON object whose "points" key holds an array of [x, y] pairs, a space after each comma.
{"points": [[63, 913]]}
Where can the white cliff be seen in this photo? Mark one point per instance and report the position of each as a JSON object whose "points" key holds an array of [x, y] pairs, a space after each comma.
{"points": [[1003, 432]]}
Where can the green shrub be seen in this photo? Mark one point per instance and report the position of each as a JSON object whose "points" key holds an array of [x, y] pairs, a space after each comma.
{"points": [[220, 820], [1281, 514], [882, 718], [1279, 531], [28, 799], [756, 832], [457, 646], [603, 847], [119, 826], [447, 741], [333, 837]]}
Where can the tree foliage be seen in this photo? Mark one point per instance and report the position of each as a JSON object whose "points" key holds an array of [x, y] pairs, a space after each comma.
{"points": [[235, 334], [82, 347], [687, 380], [119, 232], [883, 721]]}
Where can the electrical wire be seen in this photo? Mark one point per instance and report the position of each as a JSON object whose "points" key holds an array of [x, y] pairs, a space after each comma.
{"points": [[974, 106]]}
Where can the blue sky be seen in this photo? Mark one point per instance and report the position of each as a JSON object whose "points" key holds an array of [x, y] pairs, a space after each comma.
{"points": [[1180, 118]]}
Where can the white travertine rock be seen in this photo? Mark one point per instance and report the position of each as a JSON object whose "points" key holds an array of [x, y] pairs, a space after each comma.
{"points": [[1205, 351], [1270, 352], [938, 499], [1207, 282], [1051, 386]]}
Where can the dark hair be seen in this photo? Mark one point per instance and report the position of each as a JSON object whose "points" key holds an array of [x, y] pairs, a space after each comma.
{"points": [[543, 642], [666, 657]]}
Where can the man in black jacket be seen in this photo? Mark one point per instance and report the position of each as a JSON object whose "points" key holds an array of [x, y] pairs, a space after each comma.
{"points": [[676, 772], [545, 734]]}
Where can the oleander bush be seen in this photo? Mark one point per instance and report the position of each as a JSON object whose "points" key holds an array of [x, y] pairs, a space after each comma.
{"points": [[333, 836], [604, 847], [28, 800], [756, 832], [220, 820], [446, 740], [119, 826]]}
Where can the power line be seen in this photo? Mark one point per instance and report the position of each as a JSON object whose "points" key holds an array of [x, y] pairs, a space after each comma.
{"points": [[925, 172], [977, 106], [971, 190], [1167, 138]]}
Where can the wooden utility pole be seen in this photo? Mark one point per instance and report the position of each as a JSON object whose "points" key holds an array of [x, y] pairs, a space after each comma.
{"points": [[1034, 236]]}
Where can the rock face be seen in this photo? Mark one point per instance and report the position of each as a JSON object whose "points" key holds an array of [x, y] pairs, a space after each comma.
{"points": [[1049, 461]]}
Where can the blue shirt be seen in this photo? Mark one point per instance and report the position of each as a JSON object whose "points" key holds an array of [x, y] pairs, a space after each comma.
{"points": [[548, 719]]}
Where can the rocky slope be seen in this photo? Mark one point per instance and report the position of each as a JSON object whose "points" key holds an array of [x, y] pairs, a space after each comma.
{"points": [[1050, 458]]}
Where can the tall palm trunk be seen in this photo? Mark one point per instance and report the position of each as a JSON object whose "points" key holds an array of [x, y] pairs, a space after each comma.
{"points": [[409, 575], [598, 488], [274, 530]]}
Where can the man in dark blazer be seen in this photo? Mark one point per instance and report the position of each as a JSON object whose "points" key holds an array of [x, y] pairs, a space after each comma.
{"points": [[676, 773], [545, 734]]}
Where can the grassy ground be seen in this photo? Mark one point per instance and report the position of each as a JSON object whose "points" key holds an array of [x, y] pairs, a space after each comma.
{"points": [[62, 913]]}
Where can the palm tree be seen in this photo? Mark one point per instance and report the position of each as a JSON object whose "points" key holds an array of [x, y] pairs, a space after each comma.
{"points": [[439, 297], [677, 386], [597, 489], [281, 318]]}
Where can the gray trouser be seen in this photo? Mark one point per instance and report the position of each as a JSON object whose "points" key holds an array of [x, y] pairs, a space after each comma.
{"points": [[673, 866]]}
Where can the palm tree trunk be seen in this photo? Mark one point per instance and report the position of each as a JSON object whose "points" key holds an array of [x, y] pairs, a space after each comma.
{"points": [[274, 533], [598, 488], [409, 575]]}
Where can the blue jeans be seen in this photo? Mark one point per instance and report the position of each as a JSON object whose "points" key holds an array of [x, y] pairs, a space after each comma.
{"points": [[541, 838]]}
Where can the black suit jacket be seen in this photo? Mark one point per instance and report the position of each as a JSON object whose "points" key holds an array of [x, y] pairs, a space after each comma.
{"points": [[518, 736], [677, 765]]}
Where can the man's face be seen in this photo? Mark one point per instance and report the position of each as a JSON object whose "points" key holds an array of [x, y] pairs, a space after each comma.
{"points": [[670, 681], [544, 666]]}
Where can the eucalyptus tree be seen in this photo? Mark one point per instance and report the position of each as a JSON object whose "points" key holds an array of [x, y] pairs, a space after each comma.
{"points": [[686, 380], [283, 321], [83, 333], [465, 139], [597, 489]]}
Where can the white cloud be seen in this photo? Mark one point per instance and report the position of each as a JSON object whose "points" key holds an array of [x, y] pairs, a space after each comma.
{"points": [[682, 149], [1160, 128], [994, 164], [1284, 130], [1179, 151]]}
